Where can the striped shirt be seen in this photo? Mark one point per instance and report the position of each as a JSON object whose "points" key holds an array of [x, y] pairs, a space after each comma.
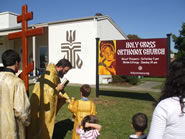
{"points": [[91, 134]]}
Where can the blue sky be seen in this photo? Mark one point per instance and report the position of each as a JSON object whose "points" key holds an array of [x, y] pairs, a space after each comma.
{"points": [[145, 18]]}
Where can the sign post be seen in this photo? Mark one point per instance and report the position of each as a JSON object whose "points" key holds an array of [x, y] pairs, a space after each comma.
{"points": [[168, 49], [97, 71], [24, 34]]}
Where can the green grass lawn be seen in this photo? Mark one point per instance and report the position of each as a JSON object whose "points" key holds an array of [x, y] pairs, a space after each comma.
{"points": [[157, 79], [114, 110]]}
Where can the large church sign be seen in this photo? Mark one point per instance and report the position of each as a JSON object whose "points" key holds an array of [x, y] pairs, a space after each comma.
{"points": [[142, 57]]}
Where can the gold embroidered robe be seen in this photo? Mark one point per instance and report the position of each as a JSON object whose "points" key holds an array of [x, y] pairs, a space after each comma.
{"points": [[14, 107], [80, 109], [44, 105]]}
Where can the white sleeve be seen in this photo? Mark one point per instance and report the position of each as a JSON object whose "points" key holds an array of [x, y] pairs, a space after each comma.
{"points": [[79, 131], [158, 123]]}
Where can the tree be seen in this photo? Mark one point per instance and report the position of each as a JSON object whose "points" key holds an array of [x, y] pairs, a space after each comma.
{"points": [[133, 37], [180, 42]]}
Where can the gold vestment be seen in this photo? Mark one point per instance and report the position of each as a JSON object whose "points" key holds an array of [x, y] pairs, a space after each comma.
{"points": [[14, 107], [44, 105], [80, 109]]}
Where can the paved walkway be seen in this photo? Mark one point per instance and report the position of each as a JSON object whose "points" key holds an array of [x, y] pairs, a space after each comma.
{"points": [[146, 86]]}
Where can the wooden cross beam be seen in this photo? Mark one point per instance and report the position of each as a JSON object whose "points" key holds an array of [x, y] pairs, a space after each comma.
{"points": [[24, 34]]}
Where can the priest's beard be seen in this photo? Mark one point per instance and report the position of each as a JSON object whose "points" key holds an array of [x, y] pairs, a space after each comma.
{"points": [[61, 74]]}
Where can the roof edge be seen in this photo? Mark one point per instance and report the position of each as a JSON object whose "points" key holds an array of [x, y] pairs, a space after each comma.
{"points": [[75, 19], [8, 12], [98, 18]]}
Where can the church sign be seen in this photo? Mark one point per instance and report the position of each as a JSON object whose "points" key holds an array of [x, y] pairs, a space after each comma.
{"points": [[142, 57]]}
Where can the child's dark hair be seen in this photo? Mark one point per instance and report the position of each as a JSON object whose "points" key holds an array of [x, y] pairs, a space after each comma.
{"points": [[139, 122], [86, 90], [175, 82], [89, 119]]}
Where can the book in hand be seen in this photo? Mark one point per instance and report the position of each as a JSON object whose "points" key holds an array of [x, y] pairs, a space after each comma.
{"points": [[63, 93], [65, 82]]}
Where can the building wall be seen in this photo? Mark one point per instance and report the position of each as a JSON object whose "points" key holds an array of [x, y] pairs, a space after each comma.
{"points": [[78, 38], [16, 44], [3, 21], [41, 41], [5, 44], [13, 20], [75, 41], [8, 20], [107, 31]]}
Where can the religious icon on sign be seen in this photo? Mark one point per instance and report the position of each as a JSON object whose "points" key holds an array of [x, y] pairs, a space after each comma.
{"points": [[107, 58]]}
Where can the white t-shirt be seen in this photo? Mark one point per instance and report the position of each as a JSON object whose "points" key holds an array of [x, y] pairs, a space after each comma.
{"points": [[91, 134], [137, 137], [168, 122]]}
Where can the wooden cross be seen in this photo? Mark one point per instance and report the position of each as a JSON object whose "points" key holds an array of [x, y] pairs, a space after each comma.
{"points": [[24, 34]]}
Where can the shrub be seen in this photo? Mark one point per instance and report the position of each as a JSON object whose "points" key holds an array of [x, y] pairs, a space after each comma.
{"points": [[130, 79]]}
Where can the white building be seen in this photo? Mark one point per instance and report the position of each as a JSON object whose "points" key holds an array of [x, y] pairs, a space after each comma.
{"points": [[73, 39]]}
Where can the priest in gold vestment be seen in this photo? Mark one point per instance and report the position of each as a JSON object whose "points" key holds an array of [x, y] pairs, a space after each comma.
{"points": [[46, 100], [14, 103]]}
